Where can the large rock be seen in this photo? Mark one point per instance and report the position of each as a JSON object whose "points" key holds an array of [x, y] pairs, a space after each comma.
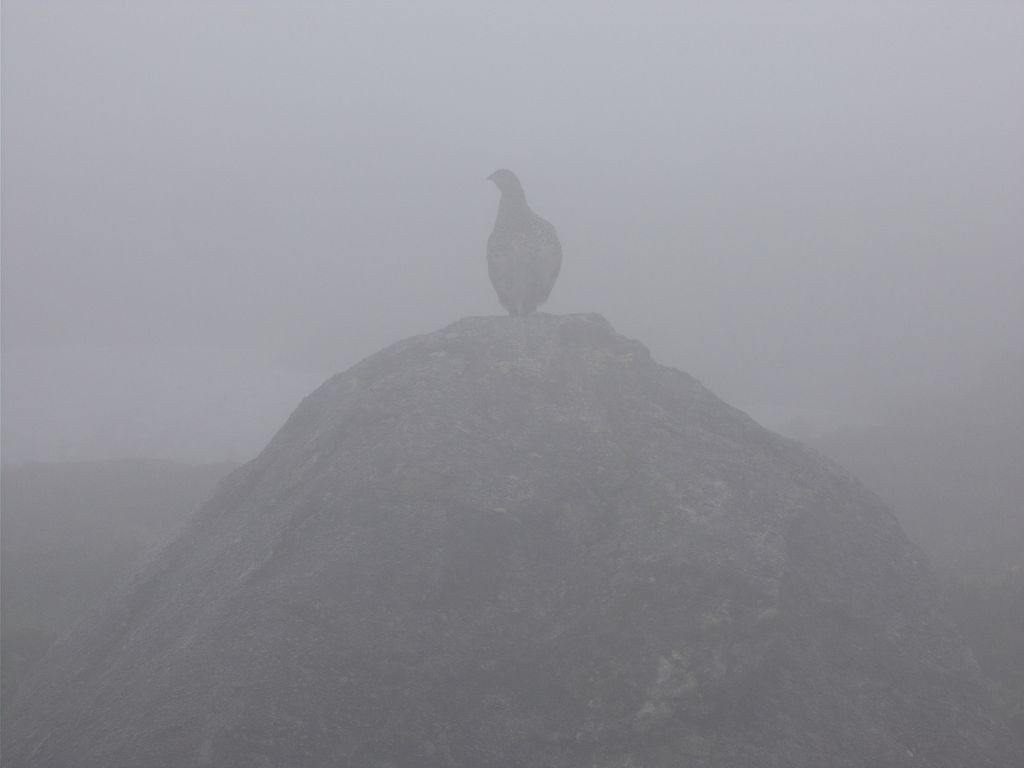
{"points": [[520, 542]]}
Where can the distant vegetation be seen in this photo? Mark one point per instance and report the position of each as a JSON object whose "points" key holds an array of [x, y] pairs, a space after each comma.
{"points": [[989, 609], [954, 473], [70, 532]]}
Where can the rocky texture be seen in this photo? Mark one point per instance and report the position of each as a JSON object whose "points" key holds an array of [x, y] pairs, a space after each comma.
{"points": [[520, 542]]}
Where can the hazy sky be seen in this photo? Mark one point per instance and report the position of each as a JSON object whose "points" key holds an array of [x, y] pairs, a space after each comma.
{"points": [[816, 208]]}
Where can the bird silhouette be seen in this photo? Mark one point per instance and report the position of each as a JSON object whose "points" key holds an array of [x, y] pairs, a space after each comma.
{"points": [[523, 253]]}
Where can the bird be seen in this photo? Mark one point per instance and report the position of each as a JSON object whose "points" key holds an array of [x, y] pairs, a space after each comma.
{"points": [[524, 255]]}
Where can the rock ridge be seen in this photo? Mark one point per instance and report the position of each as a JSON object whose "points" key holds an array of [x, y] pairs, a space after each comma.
{"points": [[521, 542]]}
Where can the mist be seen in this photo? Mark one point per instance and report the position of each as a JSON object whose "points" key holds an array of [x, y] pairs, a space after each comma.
{"points": [[816, 209], [515, 541]]}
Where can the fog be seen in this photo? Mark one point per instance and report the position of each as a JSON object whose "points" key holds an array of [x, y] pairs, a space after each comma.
{"points": [[208, 208], [815, 208]]}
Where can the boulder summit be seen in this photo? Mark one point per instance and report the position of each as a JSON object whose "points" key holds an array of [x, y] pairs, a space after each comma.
{"points": [[520, 542]]}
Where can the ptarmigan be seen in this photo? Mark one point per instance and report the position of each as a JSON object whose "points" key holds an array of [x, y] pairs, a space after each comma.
{"points": [[523, 252]]}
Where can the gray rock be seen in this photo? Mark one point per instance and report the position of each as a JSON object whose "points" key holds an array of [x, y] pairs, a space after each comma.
{"points": [[520, 542]]}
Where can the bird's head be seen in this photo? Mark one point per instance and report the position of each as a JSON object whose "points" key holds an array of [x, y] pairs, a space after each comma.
{"points": [[506, 181]]}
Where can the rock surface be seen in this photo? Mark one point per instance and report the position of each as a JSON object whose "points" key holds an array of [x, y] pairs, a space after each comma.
{"points": [[520, 542]]}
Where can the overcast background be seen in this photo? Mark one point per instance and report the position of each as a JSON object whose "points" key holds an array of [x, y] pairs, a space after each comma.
{"points": [[208, 207]]}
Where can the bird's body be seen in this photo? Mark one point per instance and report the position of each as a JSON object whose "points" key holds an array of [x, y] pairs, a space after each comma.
{"points": [[523, 253]]}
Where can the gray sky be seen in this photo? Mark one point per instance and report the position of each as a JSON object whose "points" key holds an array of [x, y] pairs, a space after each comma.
{"points": [[816, 208]]}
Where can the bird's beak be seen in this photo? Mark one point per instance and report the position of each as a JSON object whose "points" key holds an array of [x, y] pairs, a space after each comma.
{"points": [[490, 178]]}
